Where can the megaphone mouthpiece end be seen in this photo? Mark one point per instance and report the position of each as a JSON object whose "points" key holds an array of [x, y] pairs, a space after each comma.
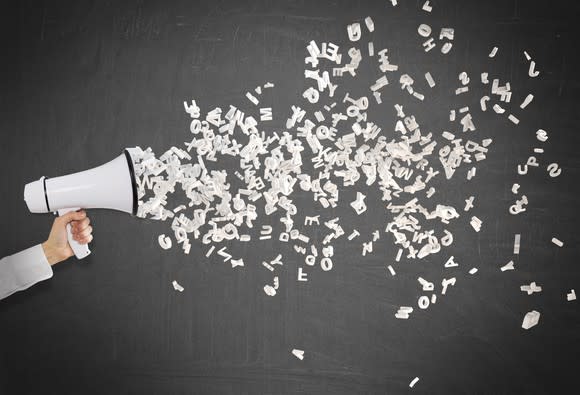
{"points": [[35, 196]]}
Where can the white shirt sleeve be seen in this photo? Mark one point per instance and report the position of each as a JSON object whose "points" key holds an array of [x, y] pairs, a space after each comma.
{"points": [[22, 270]]}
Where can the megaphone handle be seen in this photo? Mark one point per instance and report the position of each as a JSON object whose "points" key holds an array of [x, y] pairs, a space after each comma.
{"points": [[81, 250]]}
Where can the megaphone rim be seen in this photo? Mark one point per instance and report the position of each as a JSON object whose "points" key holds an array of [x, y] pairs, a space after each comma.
{"points": [[133, 181]]}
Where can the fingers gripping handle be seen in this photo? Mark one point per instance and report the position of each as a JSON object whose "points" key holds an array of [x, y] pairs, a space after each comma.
{"points": [[81, 250]]}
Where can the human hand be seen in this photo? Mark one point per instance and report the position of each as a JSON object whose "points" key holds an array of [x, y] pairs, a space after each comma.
{"points": [[57, 248]]}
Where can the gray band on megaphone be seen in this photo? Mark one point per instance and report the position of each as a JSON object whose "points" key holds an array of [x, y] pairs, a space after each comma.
{"points": [[45, 194]]}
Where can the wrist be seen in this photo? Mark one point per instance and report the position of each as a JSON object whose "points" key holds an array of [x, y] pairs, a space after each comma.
{"points": [[51, 253]]}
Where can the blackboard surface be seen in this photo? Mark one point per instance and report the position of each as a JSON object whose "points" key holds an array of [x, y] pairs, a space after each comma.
{"points": [[81, 80]]}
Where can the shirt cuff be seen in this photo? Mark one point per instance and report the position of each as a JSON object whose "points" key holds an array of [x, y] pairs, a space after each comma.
{"points": [[31, 266]]}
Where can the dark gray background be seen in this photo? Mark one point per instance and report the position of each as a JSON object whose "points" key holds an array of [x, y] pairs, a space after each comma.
{"points": [[82, 79]]}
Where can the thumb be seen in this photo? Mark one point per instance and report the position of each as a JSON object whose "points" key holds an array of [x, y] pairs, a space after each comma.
{"points": [[73, 216]]}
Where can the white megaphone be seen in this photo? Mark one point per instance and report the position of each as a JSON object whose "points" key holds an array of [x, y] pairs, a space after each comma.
{"points": [[110, 186]]}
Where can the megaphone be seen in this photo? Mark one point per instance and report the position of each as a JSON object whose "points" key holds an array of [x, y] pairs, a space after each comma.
{"points": [[109, 186]]}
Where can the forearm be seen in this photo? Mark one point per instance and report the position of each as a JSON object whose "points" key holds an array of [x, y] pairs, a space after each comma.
{"points": [[52, 254]]}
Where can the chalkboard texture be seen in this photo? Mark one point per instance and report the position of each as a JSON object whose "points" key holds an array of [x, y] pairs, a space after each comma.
{"points": [[81, 80]]}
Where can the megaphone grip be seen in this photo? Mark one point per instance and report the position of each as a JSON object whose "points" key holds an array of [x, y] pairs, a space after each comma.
{"points": [[81, 250]]}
